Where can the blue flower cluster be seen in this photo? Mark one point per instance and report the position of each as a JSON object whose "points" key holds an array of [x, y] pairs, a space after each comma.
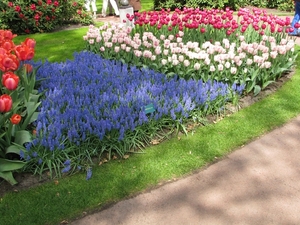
{"points": [[93, 96]]}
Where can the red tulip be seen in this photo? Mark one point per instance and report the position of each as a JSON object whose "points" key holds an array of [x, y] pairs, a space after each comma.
{"points": [[10, 80], [287, 21], [7, 34], [15, 119], [272, 29], [29, 42], [5, 103], [24, 52], [290, 30], [8, 62], [8, 45]]}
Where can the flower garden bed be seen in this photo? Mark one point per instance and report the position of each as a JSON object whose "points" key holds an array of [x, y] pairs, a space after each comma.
{"points": [[134, 86]]}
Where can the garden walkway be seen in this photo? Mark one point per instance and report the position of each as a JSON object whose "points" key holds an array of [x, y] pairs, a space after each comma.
{"points": [[256, 184]]}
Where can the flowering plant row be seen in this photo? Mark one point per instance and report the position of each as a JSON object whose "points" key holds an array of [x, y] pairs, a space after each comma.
{"points": [[213, 24], [40, 15], [18, 101], [92, 100], [201, 45]]}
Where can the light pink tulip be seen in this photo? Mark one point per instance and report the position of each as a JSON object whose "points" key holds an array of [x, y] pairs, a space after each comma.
{"points": [[186, 63], [197, 66], [233, 70]]}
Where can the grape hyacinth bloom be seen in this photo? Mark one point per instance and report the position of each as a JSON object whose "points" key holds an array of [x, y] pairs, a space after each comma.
{"points": [[91, 96], [89, 173]]}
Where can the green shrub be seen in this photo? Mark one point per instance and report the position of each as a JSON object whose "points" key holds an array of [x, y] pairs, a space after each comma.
{"points": [[35, 16], [172, 4], [221, 4], [169, 4], [286, 6]]}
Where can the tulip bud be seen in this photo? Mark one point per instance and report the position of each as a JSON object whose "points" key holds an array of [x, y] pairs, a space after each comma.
{"points": [[5, 103], [28, 68], [15, 119]]}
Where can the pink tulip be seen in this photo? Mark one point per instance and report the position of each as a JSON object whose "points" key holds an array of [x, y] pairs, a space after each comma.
{"points": [[220, 67], [5, 103]]}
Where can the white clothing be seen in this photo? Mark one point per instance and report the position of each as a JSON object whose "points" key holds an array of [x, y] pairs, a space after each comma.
{"points": [[113, 4], [90, 2]]}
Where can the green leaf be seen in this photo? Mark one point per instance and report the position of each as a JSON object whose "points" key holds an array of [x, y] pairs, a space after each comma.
{"points": [[267, 83], [34, 98], [13, 149], [33, 117], [257, 89], [7, 165], [31, 107], [8, 176], [22, 136], [250, 86]]}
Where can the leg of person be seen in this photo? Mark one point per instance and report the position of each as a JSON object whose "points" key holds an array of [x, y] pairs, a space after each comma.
{"points": [[114, 5], [104, 7], [94, 8], [296, 18], [87, 5], [118, 3], [110, 9]]}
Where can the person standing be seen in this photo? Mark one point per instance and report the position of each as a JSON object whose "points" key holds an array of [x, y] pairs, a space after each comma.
{"points": [[110, 8], [295, 22], [88, 4], [113, 4]]}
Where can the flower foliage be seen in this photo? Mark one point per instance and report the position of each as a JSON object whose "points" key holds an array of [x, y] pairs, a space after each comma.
{"points": [[40, 15], [205, 45], [105, 99], [18, 101]]}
